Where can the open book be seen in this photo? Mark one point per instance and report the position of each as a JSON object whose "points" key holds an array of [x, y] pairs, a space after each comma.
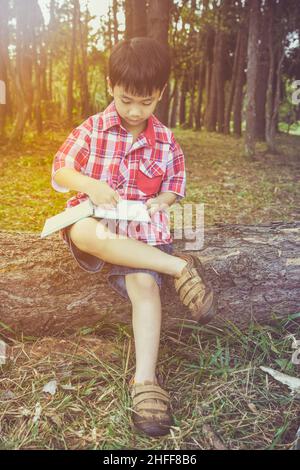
{"points": [[125, 210]]}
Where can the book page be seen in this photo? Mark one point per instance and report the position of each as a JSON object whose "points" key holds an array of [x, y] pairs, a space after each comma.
{"points": [[68, 217], [125, 210]]}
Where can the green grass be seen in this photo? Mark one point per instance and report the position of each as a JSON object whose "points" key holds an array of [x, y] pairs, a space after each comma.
{"points": [[219, 394]]}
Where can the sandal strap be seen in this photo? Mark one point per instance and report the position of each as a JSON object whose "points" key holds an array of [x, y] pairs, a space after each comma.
{"points": [[149, 396], [141, 388], [196, 291]]}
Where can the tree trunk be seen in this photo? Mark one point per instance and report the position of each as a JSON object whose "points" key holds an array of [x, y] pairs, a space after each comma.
{"points": [[158, 21], [276, 55], [174, 109], [254, 269], [128, 19], [262, 79], [240, 82], [250, 136], [182, 105], [115, 19], [4, 8], [139, 18], [211, 114], [72, 61], [232, 83], [84, 67]]}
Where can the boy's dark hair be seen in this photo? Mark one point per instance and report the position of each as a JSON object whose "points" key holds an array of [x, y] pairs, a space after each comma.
{"points": [[141, 65]]}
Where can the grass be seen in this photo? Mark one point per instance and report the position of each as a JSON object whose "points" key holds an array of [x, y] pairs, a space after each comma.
{"points": [[220, 396]]}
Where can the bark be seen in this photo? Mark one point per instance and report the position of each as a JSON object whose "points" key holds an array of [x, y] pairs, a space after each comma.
{"points": [[211, 114], [159, 19], [174, 110], [182, 106], [254, 269], [70, 98], [262, 81], [139, 18], [128, 19], [276, 55], [240, 82], [4, 8], [84, 66], [232, 83], [250, 137], [115, 19]]}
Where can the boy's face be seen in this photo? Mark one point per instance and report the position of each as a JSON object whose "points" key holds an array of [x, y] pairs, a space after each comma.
{"points": [[134, 110]]}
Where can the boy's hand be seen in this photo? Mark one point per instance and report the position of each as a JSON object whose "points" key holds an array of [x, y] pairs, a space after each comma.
{"points": [[102, 194], [153, 206]]}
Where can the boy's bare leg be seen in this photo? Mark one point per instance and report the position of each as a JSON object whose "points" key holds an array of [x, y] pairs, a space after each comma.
{"points": [[144, 294], [94, 238]]}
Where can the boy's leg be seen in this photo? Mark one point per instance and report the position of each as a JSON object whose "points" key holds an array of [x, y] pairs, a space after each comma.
{"points": [[151, 411], [94, 238], [144, 294]]}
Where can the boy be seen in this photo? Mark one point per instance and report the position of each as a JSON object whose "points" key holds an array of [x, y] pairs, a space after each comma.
{"points": [[125, 152]]}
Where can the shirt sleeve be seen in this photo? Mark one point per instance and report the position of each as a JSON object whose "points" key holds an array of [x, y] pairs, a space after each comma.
{"points": [[73, 153], [174, 180]]}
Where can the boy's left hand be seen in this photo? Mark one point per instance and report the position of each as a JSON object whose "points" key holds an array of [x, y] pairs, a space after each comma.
{"points": [[153, 206]]}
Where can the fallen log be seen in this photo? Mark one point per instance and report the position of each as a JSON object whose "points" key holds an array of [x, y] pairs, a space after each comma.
{"points": [[254, 269]]}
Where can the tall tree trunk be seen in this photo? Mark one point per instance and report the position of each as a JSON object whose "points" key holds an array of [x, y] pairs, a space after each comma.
{"points": [[159, 19], [70, 99], [182, 105], [174, 108], [4, 16], [52, 28], [276, 55], [128, 19], [139, 18], [232, 83], [240, 82], [250, 137], [115, 19], [84, 67], [262, 78], [211, 113], [198, 116]]}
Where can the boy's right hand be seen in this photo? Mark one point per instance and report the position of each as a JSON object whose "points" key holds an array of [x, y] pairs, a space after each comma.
{"points": [[102, 194]]}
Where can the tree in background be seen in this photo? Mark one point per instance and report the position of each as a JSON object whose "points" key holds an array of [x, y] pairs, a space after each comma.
{"points": [[233, 62]]}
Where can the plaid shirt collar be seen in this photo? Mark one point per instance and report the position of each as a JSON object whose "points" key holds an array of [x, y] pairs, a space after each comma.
{"points": [[155, 131]]}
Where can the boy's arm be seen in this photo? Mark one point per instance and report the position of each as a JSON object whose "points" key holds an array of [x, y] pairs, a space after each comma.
{"points": [[69, 167], [72, 155], [72, 179]]}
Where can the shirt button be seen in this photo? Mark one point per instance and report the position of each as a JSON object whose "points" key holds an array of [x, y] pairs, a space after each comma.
{"points": [[138, 228], [121, 186]]}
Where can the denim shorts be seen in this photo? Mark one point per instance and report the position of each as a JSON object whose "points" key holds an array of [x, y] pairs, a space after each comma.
{"points": [[116, 274]]}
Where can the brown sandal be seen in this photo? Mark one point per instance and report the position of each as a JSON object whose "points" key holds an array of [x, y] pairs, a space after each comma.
{"points": [[151, 408], [195, 291]]}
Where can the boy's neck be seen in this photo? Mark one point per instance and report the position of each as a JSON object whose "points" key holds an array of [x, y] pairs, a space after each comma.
{"points": [[135, 131]]}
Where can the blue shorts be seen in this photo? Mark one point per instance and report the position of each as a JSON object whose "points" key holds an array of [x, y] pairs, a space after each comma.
{"points": [[116, 273]]}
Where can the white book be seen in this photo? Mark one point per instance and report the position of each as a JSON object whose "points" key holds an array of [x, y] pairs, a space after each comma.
{"points": [[125, 210]]}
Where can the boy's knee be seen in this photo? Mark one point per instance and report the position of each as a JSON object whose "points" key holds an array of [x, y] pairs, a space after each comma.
{"points": [[82, 232], [141, 285]]}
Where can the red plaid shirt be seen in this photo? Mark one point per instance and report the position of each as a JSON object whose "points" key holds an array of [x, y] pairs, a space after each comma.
{"points": [[102, 149]]}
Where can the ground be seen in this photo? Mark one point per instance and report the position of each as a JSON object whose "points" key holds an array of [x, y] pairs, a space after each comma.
{"points": [[220, 397]]}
